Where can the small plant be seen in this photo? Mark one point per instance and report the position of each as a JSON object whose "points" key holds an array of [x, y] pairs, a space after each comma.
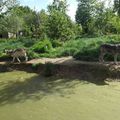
{"points": [[32, 54], [35, 65], [49, 69]]}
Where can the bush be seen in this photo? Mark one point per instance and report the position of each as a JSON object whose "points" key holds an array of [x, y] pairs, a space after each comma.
{"points": [[87, 55], [56, 43], [27, 42], [31, 54], [114, 39], [42, 46], [68, 52]]}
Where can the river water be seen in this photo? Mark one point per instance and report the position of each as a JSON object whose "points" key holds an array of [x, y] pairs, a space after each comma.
{"points": [[28, 96]]}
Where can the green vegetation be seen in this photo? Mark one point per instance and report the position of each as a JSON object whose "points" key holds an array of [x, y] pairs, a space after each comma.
{"points": [[82, 49], [52, 33], [92, 18], [42, 46], [49, 69]]}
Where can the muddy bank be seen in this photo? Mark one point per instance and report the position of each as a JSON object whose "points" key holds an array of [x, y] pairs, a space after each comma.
{"points": [[80, 70]]}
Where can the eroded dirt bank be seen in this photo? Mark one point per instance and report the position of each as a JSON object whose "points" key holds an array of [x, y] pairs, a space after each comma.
{"points": [[67, 67]]}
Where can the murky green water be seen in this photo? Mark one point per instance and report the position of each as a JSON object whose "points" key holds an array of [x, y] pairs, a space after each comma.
{"points": [[28, 96]]}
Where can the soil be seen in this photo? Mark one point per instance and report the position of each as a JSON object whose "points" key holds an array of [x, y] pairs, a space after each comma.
{"points": [[68, 67], [64, 61]]}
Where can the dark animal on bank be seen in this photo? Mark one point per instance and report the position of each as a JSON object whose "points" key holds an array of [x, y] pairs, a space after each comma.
{"points": [[17, 53], [113, 49]]}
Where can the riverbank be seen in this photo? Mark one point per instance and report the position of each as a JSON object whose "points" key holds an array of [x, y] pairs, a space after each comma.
{"points": [[67, 67]]}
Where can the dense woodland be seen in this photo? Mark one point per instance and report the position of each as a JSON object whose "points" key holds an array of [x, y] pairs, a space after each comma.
{"points": [[95, 23]]}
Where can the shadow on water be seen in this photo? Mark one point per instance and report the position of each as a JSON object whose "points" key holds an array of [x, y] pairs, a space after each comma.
{"points": [[37, 87], [34, 88]]}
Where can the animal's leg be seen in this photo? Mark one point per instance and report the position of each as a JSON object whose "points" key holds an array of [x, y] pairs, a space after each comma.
{"points": [[101, 57], [115, 59], [26, 57], [18, 60], [13, 59]]}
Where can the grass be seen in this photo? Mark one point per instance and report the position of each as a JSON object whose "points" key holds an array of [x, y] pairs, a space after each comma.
{"points": [[28, 96]]}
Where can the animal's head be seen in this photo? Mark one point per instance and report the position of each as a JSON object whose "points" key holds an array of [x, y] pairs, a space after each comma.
{"points": [[8, 51]]}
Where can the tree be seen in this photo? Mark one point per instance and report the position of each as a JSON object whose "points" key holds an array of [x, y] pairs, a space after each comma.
{"points": [[117, 6], [85, 13], [103, 21], [14, 24], [60, 5], [3, 25], [21, 11], [114, 24], [101, 17], [30, 20], [7, 5], [43, 18], [94, 17], [60, 26], [59, 23]]}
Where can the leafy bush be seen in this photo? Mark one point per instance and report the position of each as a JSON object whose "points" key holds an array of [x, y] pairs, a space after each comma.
{"points": [[42, 46], [114, 39], [31, 54], [68, 51], [27, 42], [87, 55], [56, 43]]}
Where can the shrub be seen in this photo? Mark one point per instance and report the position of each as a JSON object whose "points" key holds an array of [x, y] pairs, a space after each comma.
{"points": [[32, 54], [27, 42], [42, 46], [87, 55], [114, 39], [68, 52], [56, 43]]}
